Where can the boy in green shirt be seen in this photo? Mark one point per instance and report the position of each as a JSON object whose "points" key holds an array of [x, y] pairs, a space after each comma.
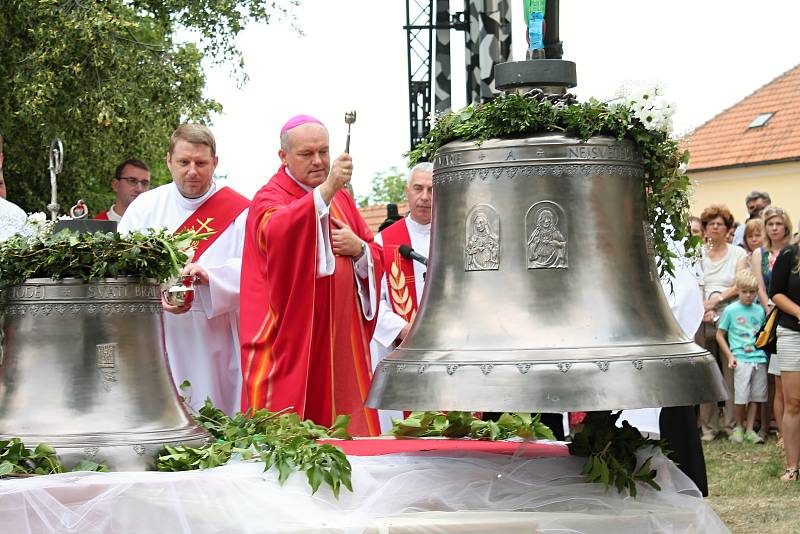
{"points": [[736, 337]]}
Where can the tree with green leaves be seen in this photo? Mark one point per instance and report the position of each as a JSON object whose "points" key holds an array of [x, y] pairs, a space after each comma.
{"points": [[387, 186], [111, 80]]}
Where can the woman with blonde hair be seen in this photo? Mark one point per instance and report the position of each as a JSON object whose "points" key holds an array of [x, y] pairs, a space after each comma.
{"points": [[784, 289], [720, 263], [777, 233]]}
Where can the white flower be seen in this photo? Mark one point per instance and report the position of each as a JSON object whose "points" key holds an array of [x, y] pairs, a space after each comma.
{"points": [[682, 168], [646, 103], [37, 218], [38, 225]]}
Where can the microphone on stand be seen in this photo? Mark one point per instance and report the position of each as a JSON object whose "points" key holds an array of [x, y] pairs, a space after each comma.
{"points": [[409, 254]]}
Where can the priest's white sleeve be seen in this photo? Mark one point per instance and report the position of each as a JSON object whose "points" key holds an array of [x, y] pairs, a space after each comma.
{"points": [[221, 295], [365, 278], [389, 324], [326, 263]]}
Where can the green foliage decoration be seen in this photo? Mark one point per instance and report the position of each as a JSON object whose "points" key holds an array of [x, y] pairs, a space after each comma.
{"points": [[666, 186], [18, 460], [112, 79], [465, 424], [611, 453], [388, 186], [154, 254], [279, 439]]}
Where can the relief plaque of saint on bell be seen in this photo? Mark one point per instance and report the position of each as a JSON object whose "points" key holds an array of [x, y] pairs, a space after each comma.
{"points": [[482, 250], [546, 228]]}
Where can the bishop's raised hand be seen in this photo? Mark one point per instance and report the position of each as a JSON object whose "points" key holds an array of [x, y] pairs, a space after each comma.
{"points": [[341, 173]]}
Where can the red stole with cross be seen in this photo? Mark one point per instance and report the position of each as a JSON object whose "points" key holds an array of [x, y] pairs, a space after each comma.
{"points": [[214, 216], [399, 271]]}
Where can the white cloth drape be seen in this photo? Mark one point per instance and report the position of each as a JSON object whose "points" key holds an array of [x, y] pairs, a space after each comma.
{"points": [[393, 494]]}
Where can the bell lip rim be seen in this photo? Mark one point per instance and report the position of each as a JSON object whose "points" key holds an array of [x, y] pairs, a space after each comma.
{"points": [[685, 350], [712, 388], [113, 439]]}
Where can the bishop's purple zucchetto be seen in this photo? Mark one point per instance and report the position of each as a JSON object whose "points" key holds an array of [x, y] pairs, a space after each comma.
{"points": [[297, 120]]}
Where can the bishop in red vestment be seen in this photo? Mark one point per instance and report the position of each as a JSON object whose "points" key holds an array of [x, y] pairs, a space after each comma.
{"points": [[310, 282]]}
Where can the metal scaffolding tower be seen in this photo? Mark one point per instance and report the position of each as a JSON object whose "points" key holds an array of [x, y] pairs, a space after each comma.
{"points": [[420, 26], [487, 27]]}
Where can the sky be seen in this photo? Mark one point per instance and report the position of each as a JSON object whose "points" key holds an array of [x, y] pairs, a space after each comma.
{"points": [[706, 55]]}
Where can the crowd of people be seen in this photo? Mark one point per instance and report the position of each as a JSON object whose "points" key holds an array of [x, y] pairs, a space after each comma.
{"points": [[749, 271]]}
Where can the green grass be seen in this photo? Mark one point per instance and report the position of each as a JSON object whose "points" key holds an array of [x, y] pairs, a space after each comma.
{"points": [[744, 490]]}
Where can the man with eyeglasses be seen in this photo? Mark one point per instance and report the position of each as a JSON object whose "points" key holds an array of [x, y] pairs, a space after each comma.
{"points": [[131, 178]]}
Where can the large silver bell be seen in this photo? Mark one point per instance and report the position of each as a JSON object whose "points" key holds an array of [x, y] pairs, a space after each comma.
{"points": [[84, 370], [541, 294]]}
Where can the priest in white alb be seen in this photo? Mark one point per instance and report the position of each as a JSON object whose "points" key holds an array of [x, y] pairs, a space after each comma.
{"points": [[202, 338], [404, 279]]}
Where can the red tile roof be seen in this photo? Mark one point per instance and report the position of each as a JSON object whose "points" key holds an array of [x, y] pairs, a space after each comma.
{"points": [[375, 215], [726, 140]]}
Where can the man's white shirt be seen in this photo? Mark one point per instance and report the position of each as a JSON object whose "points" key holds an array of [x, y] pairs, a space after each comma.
{"points": [[113, 215]]}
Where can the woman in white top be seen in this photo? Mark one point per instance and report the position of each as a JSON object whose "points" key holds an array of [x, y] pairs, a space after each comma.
{"points": [[721, 262]]}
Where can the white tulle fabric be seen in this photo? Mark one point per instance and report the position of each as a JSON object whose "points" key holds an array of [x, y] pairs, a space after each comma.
{"points": [[401, 493]]}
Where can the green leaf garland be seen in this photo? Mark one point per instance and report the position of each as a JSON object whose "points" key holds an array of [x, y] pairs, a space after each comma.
{"points": [[465, 424], [279, 439], [514, 115], [611, 453], [18, 460], [153, 255]]}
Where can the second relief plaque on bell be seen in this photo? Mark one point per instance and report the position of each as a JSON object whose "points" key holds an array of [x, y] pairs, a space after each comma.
{"points": [[482, 245], [546, 228]]}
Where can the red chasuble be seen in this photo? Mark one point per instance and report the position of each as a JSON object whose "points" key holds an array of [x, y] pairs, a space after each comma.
{"points": [[305, 341], [399, 271]]}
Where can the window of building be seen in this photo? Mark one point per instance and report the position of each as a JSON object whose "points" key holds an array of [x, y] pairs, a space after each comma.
{"points": [[761, 120]]}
